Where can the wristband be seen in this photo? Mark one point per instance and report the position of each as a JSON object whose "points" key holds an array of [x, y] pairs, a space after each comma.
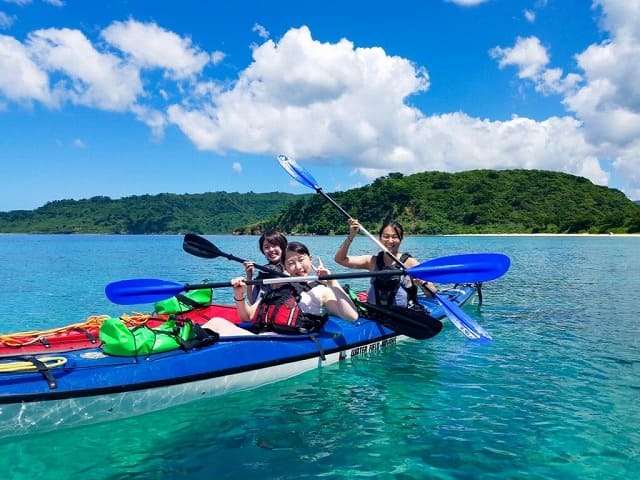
{"points": [[239, 299]]}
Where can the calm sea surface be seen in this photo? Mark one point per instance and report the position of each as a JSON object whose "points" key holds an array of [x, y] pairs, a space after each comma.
{"points": [[556, 395]]}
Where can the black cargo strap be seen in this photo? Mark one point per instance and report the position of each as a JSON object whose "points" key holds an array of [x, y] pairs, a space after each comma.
{"points": [[313, 338], [87, 334], [201, 337], [42, 368], [187, 301]]}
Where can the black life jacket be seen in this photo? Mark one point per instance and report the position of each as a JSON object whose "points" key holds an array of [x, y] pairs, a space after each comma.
{"points": [[277, 269], [386, 288], [279, 311]]}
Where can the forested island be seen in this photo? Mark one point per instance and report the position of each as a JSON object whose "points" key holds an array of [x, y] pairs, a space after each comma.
{"points": [[218, 212], [429, 203]]}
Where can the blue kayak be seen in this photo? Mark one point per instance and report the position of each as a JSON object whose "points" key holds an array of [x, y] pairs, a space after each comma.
{"points": [[83, 386]]}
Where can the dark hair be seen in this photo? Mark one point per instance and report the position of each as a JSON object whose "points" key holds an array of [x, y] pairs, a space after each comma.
{"points": [[273, 236], [297, 247], [396, 227]]}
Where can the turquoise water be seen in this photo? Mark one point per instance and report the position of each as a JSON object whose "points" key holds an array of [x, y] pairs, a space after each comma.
{"points": [[556, 394]]}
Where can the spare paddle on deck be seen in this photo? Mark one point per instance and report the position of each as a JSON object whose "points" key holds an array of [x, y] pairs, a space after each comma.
{"points": [[416, 324], [468, 326], [465, 268]]}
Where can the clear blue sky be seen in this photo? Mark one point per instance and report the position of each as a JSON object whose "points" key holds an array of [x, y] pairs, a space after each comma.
{"points": [[123, 98]]}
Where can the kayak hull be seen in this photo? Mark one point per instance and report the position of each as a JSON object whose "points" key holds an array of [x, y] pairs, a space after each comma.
{"points": [[49, 414], [87, 386]]}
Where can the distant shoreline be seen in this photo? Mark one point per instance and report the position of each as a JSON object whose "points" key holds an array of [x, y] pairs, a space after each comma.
{"points": [[543, 235], [608, 235]]}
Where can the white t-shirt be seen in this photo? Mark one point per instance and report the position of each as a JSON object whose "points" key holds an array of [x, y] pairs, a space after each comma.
{"points": [[311, 301]]}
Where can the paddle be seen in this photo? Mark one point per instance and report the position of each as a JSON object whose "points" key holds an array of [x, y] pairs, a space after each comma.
{"points": [[467, 325], [465, 268], [416, 324], [203, 248]]}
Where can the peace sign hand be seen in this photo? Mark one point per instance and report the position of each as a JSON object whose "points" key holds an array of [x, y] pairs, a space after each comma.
{"points": [[320, 269]]}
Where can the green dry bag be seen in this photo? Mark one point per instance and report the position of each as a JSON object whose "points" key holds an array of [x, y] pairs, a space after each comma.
{"points": [[184, 302], [118, 339]]}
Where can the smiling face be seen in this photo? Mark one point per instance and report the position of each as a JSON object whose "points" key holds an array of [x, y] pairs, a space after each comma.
{"points": [[391, 238], [272, 251], [272, 244], [297, 264]]}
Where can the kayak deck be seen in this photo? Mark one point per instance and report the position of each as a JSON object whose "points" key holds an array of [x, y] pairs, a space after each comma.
{"points": [[86, 334]]}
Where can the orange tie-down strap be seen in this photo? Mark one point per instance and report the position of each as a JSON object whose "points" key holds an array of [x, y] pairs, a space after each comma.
{"points": [[88, 331]]}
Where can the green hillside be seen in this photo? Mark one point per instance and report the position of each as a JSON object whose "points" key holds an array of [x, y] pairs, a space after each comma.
{"points": [[478, 201], [219, 212]]}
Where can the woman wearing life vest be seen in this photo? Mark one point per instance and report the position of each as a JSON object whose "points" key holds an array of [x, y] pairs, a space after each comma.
{"points": [[294, 307], [272, 244], [398, 290]]}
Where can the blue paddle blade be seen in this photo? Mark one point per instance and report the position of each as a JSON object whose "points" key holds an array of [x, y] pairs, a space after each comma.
{"points": [[464, 268], [297, 172], [141, 290], [463, 322]]}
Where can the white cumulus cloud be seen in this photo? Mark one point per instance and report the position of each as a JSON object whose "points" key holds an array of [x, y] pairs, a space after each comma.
{"points": [[604, 95], [22, 78], [91, 78], [154, 47], [322, 101], [6, 20]]}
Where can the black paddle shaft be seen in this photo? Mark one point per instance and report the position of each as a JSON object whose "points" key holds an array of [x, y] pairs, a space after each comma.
{"points": [[203, 248]]}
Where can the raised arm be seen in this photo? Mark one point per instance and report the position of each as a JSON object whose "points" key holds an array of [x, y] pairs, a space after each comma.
{"points": [[342, 256]]}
